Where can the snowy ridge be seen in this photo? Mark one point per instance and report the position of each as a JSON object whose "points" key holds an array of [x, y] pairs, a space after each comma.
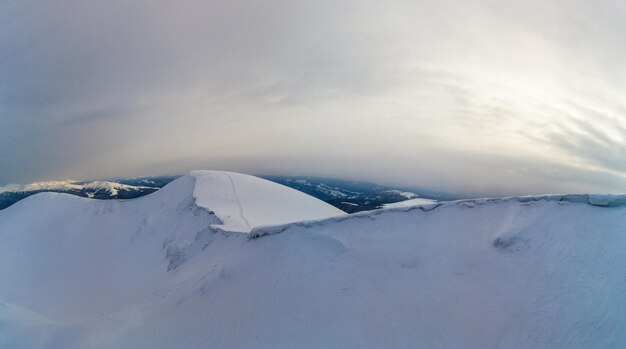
{"points": [[67, 185], [47, 185], [159, 272], [243, 202], [406, 194], [601, 200], [410, 202], [111, 187]]}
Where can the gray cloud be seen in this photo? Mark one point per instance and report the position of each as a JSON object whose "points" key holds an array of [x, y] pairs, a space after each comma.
{"points": [[477, 96], [597, 140]]}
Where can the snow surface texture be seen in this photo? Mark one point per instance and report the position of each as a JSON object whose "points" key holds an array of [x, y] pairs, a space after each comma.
{"points": [[531, 272]]}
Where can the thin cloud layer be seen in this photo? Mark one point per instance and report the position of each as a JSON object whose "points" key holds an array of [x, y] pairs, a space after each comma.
{"points": [[486, 97]]}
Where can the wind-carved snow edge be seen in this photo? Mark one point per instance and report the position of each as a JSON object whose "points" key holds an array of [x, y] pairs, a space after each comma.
{"points": [[600, 200], [259, 202]]}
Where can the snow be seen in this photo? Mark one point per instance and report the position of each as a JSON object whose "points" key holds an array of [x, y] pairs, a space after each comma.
{"points": [[409, 203], [112, 187], [161, 271], [600, 199], [243, 202], [40, 186], [67, 185], [406, 194], [330, 191]]}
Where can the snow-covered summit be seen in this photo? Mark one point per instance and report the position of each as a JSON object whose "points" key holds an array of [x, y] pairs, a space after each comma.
{"points": [[243, 202]]}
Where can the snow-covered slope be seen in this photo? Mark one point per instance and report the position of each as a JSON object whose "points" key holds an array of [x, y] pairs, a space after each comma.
{"points": [[536, 272], [409, 203], [242, 202]]}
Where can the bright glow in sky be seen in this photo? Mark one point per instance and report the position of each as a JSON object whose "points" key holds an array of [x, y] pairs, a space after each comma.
{"points": [[490, 97]]}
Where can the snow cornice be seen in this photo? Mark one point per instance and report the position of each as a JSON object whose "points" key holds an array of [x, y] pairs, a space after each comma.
{"points": [[599, 200]]}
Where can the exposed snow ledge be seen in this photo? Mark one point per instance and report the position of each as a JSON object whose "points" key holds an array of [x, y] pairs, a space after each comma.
{"points": [[602, 200], [242, 202]]}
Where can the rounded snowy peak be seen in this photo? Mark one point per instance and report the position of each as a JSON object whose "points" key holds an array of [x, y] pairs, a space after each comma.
{"points": [[243, 202]]}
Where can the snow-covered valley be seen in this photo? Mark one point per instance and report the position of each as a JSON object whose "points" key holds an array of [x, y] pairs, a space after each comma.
{"points": [[224, 260]]}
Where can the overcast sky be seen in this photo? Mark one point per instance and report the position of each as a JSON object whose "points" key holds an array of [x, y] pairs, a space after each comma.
{"points": [[491, 97]]}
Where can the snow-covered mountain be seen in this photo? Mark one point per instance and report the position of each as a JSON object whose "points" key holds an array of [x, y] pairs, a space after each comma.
{"points": [[356, 196], [119, 189], [224, 260], [349, 196], [242, 202], [112, 188]]}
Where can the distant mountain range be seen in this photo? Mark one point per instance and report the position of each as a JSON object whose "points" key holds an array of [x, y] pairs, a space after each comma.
{"points": [[102, 189], [349, 196], [356, 196]]}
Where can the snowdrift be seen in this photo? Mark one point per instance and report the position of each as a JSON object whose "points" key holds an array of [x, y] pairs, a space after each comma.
{"points": [[163, 271]]}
